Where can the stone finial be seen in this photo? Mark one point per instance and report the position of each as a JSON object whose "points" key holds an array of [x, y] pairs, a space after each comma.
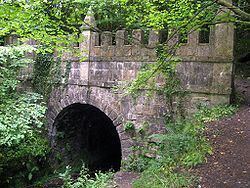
{"points": [[88, 38], [153, 38], [137, 35], [89, 20], [106, 38]]}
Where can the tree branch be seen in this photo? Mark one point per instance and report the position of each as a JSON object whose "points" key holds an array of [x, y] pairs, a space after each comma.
{"points": [[244, 15]]}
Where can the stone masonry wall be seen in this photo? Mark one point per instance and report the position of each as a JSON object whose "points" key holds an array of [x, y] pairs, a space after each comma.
{"points": [[205, 71]]}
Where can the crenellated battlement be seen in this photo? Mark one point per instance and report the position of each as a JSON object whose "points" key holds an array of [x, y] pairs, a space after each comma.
{"points": [[121, 38], [108, 45], [213, 47], [107, 59]]}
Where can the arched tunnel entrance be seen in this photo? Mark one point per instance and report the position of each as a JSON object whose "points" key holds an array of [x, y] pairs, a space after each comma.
{"points": [[84, 134]]}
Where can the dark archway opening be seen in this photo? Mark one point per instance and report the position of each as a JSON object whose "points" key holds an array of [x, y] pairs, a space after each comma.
{"points": [[84, 134]]}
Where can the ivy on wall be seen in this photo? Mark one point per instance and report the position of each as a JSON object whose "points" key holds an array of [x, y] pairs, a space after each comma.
{"points": [[49, 71], [21, 121]]}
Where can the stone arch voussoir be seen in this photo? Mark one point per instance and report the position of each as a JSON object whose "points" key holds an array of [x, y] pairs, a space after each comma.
{"points": [[56, 106]]}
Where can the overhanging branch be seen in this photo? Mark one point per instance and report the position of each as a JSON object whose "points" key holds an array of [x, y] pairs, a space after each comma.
{"points": [[244, 15]]}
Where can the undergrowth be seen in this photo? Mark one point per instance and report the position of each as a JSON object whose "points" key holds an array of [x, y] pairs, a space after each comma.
{"points": [[205, 114], [85, 180], [182, 147]]}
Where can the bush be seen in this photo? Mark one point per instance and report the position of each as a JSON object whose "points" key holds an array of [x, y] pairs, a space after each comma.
{"points": [[22, 146]]}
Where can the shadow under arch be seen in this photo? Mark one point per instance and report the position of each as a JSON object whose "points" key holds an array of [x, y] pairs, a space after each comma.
{"points": [[86, 134]]}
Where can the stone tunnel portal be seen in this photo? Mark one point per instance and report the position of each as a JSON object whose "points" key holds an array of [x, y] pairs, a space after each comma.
{"points": [[87, 135]]}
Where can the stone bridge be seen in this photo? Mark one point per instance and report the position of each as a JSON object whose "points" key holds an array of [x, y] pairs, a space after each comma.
{"points": [[88, 109]]}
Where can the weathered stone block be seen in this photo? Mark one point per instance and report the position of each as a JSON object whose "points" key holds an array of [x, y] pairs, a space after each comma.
{"points": [[137, 35], [106, 38], [222, 78], [153, 38], [195, 74], [119, 38]]}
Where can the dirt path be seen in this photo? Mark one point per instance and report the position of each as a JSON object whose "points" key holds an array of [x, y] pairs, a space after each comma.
{"points": [[125, 179], [229, 166]]}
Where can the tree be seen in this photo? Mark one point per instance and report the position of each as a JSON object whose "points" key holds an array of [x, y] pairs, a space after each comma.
{"points": [[51, 21], [242, 15]]}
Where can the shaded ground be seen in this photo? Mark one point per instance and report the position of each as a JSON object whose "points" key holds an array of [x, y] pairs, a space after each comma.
{"points": [[125, 179], [229, 166]]}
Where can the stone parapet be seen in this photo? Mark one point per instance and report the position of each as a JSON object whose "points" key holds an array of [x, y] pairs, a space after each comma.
{"points": [[113, 46]]}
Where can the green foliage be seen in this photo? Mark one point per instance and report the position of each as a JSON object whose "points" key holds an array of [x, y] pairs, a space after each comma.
{"points": [[18, 117], [84, 180], [129, 126], [21, 164], [20, 112], [184, 143], [60, 21], [49, 22], [206, 114], [47, 72], [21, 120], [182, 147], [137, 161], [42, 79], [163, 176], [151, 14], [11, 61]]}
